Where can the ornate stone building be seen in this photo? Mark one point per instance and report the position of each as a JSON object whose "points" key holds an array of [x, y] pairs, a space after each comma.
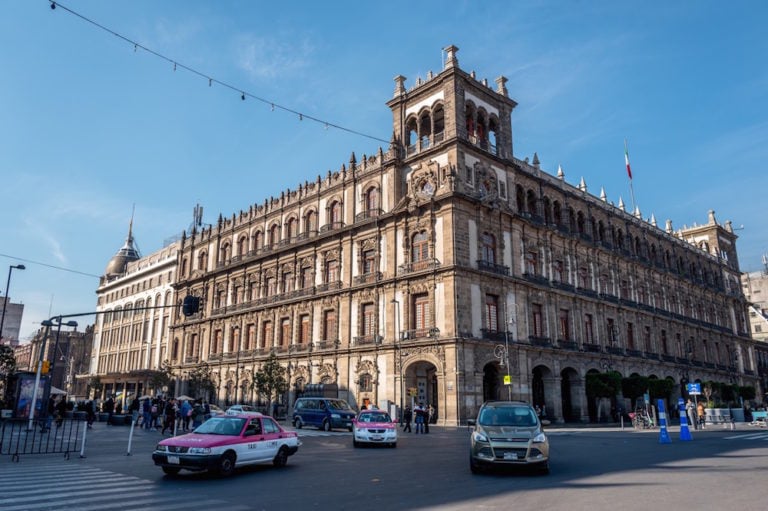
{"points": [[407, 274], [130, 341]]}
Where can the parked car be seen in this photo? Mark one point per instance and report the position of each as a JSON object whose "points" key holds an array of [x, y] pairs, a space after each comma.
{"points": [[508, 433], [215, 410], [322, 412], [374, 427], [225, 442], [235, 409]]}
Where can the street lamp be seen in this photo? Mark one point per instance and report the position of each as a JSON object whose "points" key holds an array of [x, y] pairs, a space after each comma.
{"points": [[47, 324], [59, 324], [399, 352], [7, 286]]}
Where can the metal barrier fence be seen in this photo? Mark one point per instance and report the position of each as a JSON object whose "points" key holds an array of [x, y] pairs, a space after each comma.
{"points": [[45, 437]]}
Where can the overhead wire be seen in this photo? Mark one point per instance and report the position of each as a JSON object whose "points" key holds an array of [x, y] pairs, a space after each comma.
{"points": [[211, 80]]}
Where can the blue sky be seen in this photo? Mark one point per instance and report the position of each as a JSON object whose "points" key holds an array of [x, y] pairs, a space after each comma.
{"points": [[89, 127]]}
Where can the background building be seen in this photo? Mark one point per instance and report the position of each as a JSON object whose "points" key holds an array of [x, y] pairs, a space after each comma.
{"points": [[439, 268], [755, 285], [12, 323]]}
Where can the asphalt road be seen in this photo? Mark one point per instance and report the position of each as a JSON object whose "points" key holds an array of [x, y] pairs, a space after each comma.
{"points": [[600, 468]]}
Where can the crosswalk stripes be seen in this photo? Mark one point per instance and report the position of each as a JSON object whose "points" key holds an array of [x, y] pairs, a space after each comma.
{"points": [[749, 436], [304, 432], [52, 488]]}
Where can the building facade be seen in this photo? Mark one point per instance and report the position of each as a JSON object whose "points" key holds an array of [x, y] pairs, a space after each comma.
{"points": [[446, 270], [14, 313], [755, 285], [135, 304]]}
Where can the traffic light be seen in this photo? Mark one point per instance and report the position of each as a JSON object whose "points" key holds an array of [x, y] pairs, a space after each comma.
{"points": [[190, 305], [46, 367]]}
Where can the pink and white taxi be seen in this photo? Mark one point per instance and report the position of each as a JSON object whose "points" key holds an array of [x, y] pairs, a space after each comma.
{"points": [[225, 442], [374, 427]]}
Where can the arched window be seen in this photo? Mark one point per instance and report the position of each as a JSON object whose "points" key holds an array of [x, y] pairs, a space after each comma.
{"points": [[438, 121], [292, 228], [224, 253], [334, 213], [202, 261], [411, 134], [274, 235], [365, 382], [372, 202], [242, 246], [420, 247], [310, 222], [258, 241], [425, 130]]}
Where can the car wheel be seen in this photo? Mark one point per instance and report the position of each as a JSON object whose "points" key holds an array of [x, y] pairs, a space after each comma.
{"points": [[226, 464], [350, 429], [297, 423], [171, 471], [326, 425], [544, 469], [281, 459], [355, 443], [474, 467], [393, 445]]}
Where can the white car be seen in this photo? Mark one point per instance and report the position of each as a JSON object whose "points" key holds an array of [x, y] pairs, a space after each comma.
{"points": [[237, 409], [374, 427], [225, 442]]}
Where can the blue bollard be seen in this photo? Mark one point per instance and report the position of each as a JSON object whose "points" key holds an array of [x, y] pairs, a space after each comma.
{"points": [[663, 433]]}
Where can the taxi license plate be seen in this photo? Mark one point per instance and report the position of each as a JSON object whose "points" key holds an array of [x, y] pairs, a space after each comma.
{"points": [[173, 459], [510, 455], [377, 437]]}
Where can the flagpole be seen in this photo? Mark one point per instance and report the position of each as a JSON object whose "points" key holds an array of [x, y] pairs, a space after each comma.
{"points": [[629, 174]]}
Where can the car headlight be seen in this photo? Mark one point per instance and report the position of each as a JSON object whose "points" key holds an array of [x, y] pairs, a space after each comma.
{"points": [[161, 448], [199, 450], [540, 438], [479, 437], [335, 416]]}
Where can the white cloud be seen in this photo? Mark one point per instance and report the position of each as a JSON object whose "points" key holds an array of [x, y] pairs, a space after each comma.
{"points": [[265, 57]]}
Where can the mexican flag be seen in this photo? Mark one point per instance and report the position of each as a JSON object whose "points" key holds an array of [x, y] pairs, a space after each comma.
{"points": [[626, 160]]}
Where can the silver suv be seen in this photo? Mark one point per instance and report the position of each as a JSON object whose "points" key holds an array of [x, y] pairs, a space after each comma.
{"points": [[508, 433]]}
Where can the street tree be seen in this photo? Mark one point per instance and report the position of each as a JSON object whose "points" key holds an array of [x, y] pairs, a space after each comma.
{"points": [[270, 380], [7, 370], [163, 377], [201, 381]]}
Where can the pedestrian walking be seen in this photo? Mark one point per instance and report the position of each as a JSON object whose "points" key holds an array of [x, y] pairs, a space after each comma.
{"points": [[700, 414], [61, 409], [418, 411], [691, 414], [170, 416], [146, 413], [109, 409], [90, 413], [154, 410], [198, 414], [186, 414], [134, 409], [407, 417]]}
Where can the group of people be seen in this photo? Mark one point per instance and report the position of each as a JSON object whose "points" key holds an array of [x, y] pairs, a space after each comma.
{"points": [[159, 413], [420, 415]]}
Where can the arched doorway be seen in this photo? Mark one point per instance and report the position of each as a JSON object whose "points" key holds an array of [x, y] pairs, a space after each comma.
{"points": [[491, 384], [570, 390], [421, 387], [541, 390]]}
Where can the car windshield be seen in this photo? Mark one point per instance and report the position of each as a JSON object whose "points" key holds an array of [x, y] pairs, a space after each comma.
{"points": [[221, 425], [508, 416], [339, 404], [375, 417]]}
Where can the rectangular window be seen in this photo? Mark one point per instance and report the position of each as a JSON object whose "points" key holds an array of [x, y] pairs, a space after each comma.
{"points": [[217, 342], [589, 335], [537, 320], [610, 327], [329, 322], [557, 271], [532, 263], [421, 312], [664, 346], [647, 340], [492, 313], [369, 261], [306, 278], [285, 332], [271, 286], [630, 336], [250, 336], [304, 329], [266, 335], [369, 317], [287, 282], [565, 325], [331, 271]]}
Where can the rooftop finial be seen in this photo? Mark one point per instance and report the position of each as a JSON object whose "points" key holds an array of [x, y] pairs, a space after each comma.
{"points": [[451, 60]]}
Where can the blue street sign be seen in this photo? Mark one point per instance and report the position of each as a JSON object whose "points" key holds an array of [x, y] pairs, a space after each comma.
{"points": [[694, 389]]}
